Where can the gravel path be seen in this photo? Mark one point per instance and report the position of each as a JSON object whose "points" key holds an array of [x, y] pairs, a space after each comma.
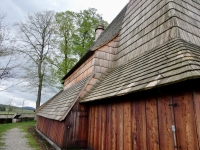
{"points": [[14, 139]]}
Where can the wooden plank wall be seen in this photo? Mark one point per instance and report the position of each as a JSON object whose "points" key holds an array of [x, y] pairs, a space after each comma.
{"points": [[52, 129], [144, 121], [70, 133], [83, 71]]}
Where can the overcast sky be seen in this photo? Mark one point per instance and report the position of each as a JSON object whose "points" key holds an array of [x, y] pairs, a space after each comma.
{"points": [[17, 10]]}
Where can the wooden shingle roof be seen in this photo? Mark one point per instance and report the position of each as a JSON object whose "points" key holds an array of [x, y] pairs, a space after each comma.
{"points": [[150, 23], [174, 61], [155, 48], [58, 107]]}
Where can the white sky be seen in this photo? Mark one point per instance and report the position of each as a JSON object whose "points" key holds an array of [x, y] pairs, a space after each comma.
{"points": [[17, 10]]}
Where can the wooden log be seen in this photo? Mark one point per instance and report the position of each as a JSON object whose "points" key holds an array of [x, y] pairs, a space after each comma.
{"points": [[152, 124], [114, 127], [108, 126], [99, 127], [120, 126], [141, 124], [133, 126], [103, 127], [96, 133], [127, 126]]}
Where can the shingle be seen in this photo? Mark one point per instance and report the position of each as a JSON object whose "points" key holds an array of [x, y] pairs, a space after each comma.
{"points": [[111, 31], [171, 62], [61, 103]]}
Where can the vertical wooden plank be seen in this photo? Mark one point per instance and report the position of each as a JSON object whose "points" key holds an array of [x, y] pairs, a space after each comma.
{"points": [[95, 127], [71, 129], [61, 132], [89, 126], [165, 122], [127, 125], [108, 127], [152, 124], [114, 125], [141, 124], [92, 126], [196, 99], [103, 127], [76, 123], [133, 126], [120, 126], [79, 127], [65, 134], [185, 120], [86, 128], [99, 126]]}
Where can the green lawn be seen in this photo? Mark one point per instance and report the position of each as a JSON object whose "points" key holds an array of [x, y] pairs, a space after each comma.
{"points": [[24, 127]]}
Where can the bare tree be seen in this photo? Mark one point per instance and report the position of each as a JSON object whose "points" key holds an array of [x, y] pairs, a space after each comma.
{"points": [[36, 36], [6, 51]]}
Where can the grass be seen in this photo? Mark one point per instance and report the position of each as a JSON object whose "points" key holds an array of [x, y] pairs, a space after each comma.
{"points": [[24, 127], [17, 111]]}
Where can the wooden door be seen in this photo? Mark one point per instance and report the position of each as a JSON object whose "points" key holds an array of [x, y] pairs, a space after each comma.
{"points": [[184, 120], [82, 130]]}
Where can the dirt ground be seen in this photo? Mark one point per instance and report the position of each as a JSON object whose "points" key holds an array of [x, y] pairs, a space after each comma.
{"points": [[42, 143]]}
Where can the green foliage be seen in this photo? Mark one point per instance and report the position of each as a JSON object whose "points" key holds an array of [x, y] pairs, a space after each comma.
{"points": [[87, 21], [2, 108], [64, 59], [76, 33]]}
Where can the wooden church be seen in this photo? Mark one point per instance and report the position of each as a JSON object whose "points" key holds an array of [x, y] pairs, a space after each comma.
{"points": [[137, 87]]}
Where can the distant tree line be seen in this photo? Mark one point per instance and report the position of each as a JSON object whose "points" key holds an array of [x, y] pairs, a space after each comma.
{"points": [[48, 46], [2, 108], [6, 108]]}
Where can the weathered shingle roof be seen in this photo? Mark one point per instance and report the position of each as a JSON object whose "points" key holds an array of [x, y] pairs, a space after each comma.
{"points": [[60, 105], [174, 61], [150, 23]]}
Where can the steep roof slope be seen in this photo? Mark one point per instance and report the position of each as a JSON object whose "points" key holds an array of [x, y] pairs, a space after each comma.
{"points": [[58, 107], [150, 23], [174, 61]]}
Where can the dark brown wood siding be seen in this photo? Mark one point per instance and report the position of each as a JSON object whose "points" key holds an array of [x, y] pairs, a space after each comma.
{"points": [[52, 129], [144, 120], [70, 133]]}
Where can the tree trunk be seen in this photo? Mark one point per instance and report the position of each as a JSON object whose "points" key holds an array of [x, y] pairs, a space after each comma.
{"points": [[39, 94], [40, 76]]}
